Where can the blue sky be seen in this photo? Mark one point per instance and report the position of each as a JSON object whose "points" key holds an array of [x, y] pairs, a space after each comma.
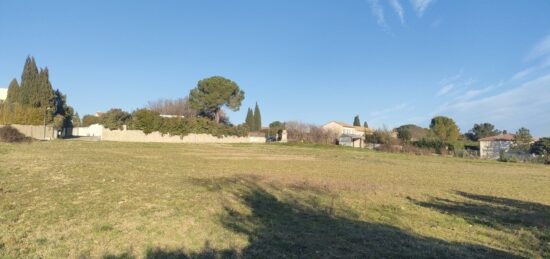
{"points": [[389, 61]]}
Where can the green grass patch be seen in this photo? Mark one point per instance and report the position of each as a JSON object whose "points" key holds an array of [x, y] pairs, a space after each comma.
{"points": [[147, 200]]}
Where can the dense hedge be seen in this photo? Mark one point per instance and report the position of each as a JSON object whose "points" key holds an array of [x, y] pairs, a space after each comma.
{"points": [[434, 144], [149, 121], [14, 113]]}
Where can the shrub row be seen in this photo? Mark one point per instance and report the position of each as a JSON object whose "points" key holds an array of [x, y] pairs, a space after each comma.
{"points": [[150, 121], [20, 114]]}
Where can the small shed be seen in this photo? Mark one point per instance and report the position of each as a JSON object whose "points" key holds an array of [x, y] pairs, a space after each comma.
{"points": [[351, 140], [491, 147]]}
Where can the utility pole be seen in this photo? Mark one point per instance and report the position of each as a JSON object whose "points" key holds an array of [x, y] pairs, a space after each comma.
{"points": [[45, 113]]}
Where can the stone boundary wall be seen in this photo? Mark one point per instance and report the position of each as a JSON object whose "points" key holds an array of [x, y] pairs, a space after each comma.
{"points": [[36, 131], [94, 130], [139, 136]]}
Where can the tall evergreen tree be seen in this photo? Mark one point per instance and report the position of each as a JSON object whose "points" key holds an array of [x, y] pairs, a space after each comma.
{"points": [[29, 78], [13, 92], [212, 93], [36, 89], [250, 119], [45, 94], [356, 121], [76, 120], [257, 118]]}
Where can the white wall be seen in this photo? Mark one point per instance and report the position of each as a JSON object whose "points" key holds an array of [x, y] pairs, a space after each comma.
{"points": [[139, 136], [36, 131], [94, 130], [3, 94], [491, 149]]}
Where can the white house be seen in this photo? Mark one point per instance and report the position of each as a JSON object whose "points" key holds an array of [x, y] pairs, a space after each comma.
{"points": [[491, 147], [3, 94], [348, 135]]}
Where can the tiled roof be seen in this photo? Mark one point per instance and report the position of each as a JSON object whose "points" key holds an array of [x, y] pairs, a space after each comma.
{"points": [[343, 124], [501, 137]]}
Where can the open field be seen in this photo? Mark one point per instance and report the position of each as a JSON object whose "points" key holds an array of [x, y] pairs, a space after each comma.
{"points": [[122, 200]]}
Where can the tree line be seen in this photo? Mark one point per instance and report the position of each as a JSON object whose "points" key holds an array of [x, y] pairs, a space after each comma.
{"points": [[200, 112], [254, 119], [35, 102]]}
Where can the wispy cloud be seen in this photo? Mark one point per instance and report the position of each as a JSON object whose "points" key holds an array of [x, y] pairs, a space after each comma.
{"points": [[541, 49], [398, 10], [525, 105], [538, 57], [378, 12], [420, 6], [448, 83], [445, 89], [523, 73], [452, 78], [472, 93], [389, 110]]}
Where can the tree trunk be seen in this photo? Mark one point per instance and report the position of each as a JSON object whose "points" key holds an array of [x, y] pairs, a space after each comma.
{"points": [[217, 115]]}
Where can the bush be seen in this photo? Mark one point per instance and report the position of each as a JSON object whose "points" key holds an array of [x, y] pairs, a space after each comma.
{"points": [[146, 120], [416, 150], [437, 145], [309, 133], [503, 157], [541, 146], [10, 134], [466, 153], [115, 119]]}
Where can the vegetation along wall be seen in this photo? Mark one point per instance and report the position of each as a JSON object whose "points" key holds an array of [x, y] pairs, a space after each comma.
{"points": [[139, 136]]}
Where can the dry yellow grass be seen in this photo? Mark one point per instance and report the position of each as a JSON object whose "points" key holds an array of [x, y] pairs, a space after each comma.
{"points": [[100, 199]]}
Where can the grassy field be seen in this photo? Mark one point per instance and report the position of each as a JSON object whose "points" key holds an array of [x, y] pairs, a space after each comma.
{"points": [[126, 200]]}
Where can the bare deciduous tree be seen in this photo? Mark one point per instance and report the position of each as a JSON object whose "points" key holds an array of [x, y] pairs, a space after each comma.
{"points": [[177, 107], [303, 132]]}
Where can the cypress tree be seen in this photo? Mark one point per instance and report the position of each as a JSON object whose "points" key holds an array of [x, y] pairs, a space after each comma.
{"points": [[28, 82], [76, 120], [250, 119], [45, 93], [36, 89], [257, 118], [13, 92], [356, 121]]}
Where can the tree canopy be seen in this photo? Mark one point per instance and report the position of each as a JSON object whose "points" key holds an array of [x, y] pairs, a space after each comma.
{"points": [[444, 128], [356, 121], [483, 130], [249, 121], [257, 118], [404, 134], [115, 118], [36, 99], [416, 132], [541, 147], [523, 139], [212, 93]]}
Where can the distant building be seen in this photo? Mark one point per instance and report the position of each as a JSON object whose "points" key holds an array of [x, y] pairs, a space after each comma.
{"points": [[348, 135], [491, 147], [3, 94]]}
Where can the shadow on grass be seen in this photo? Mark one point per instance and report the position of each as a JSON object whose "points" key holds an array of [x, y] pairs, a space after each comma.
{"points": [[292, 227], [502, 214]]}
